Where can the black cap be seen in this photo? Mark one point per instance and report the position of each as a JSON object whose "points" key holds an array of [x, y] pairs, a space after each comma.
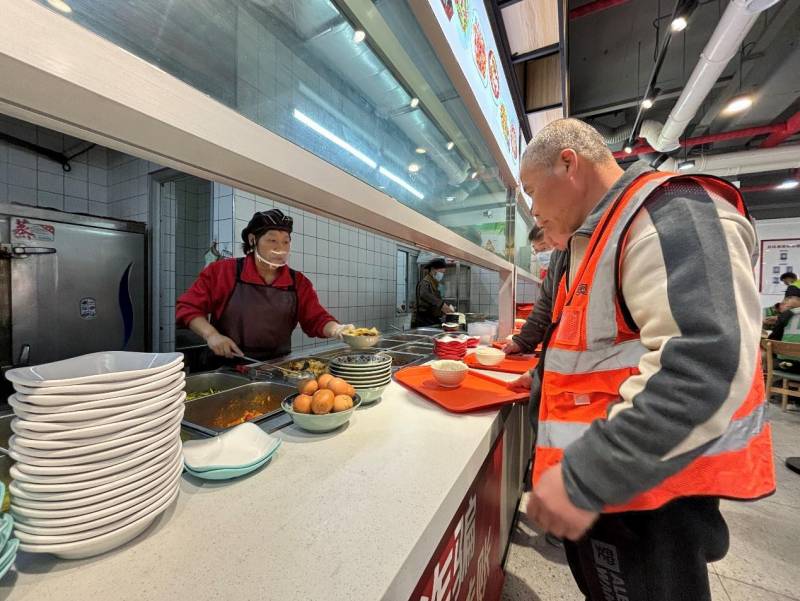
{"points": [[437, 264], [264, 221], [792, 291]]}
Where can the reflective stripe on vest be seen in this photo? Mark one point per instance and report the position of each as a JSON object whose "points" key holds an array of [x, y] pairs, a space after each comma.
{"points": [[593, 352]]}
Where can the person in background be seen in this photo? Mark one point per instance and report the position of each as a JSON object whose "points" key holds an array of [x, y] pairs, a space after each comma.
{"points": [[540, 251], [790, 279], [787, 328], [771, 315], [251, 305], [648, 415], [430, 306]]}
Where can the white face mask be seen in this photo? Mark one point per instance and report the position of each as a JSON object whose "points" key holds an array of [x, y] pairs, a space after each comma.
{"points": [[438, 276], [543, 258]]}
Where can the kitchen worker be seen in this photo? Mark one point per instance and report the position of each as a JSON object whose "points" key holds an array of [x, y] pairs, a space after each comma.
{"points": [[650, 410], [430, 306], [251, 305]]}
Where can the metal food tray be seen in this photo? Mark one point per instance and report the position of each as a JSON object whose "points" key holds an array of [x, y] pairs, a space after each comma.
{"points": [[422, 338], [386, 343], [219, 381], [415, 348], [400, 360], [204, 414]]}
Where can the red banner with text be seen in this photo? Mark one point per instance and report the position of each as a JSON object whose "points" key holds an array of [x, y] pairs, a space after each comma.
{"points": [[467, 563]]}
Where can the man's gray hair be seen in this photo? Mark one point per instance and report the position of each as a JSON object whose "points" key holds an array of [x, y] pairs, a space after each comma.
{"points": [[543, 150]]}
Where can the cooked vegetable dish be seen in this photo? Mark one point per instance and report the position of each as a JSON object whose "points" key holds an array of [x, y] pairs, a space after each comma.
{"points": [[193, 396], [298, 366]]}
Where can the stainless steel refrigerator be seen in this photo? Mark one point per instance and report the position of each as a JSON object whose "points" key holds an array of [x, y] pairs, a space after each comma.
{"points": [[69, 285]]}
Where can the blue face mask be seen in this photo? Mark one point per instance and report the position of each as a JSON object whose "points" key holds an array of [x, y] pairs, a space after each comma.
{"points": [[439, 276]]}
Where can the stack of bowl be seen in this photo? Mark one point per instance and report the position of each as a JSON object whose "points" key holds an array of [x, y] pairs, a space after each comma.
{"points": [[8, 545], [97, 448], [450, 347], [368, 373]]}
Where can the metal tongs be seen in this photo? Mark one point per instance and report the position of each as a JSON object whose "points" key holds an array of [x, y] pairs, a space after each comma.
{"points": [[260, 368]]}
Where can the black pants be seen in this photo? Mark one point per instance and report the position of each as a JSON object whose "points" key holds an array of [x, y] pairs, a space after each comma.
{"points": [[659, 555]]}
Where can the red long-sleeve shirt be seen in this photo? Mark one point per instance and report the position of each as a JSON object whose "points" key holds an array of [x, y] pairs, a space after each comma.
{"points": [[210, 293]]}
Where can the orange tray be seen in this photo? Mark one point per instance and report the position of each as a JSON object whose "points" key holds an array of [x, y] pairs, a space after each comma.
{"points": [[513, 364], [476, 393]]}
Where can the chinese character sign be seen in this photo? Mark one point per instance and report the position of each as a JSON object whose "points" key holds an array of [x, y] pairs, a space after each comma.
{"points": [[778, 257], [466, 565]]}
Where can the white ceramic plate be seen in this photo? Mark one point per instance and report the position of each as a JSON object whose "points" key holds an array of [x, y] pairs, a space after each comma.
{"points": [[106, 366], [21, 455], [240, 446], [64, 470], [78, 389], [66, 447], [112, 498], [88, 495], [81, 549], [97, 519], [123, 413], [64, 484], [368, 382], [87, 409], [35, 430], [151, 388]]}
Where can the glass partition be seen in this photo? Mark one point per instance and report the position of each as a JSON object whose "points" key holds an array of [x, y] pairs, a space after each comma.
{"points": [[304, 70]]}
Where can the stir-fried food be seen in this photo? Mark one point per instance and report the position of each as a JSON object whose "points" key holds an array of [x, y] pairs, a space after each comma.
{"points": [[362, 332], [193, 396], [300, 366]]}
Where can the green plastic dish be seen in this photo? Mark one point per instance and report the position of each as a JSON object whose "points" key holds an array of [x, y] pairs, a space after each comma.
{"points": [[229, 473], [319, 423]]}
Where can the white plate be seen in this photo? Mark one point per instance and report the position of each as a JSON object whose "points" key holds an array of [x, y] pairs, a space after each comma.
{"points": [[80, 389], [151, 388], [61, 509], [237, 447], [122, 413], [63, 470], [21, 454], [69, 448], [81, 549], [106, 366], [35, 429], [52, 484], [88, 495], [373, 382], [98, 519]]}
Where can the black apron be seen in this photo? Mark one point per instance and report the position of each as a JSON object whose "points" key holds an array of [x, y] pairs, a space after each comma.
{"points": [[260, 319], [425, 314]]}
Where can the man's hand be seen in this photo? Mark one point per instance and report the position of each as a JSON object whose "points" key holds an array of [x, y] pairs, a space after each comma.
{"points": [[223, 346], [512, 348], [549, 507], [522, 383]]}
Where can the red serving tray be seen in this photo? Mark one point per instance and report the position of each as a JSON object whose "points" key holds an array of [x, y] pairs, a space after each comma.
{"points": [[476, 393], [512, 364]]}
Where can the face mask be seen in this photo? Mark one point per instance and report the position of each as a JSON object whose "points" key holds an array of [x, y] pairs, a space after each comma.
{"points": [[543, 257], [280, 255], [439, 276]]}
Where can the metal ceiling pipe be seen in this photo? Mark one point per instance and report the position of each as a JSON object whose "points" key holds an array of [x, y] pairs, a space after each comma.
{"points": [[745, 161], [725, 42]]}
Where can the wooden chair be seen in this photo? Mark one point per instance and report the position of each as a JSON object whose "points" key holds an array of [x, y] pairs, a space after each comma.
{"points": [[790, 382]]}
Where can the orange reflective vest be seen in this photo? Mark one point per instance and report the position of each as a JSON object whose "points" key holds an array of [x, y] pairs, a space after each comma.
{"points": [[592, 351]]}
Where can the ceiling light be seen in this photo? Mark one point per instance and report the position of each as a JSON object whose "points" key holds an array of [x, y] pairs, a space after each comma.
{"points": [[359, 36], [627, 150], [420, 150], [450, 145], [450, 198], [473, 175], [401, 182], [685, 165], [647, 103], [737, 105], [60, 5], [789, 184], [329, 135], [413, 167], [414, 103], [679, 24]]}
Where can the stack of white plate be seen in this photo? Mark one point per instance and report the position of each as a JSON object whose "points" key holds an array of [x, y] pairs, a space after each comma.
{"points": [[368, 373], [97, 448]]}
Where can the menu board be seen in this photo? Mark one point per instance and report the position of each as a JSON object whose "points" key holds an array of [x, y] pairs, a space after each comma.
{"points": [[466, 27], [778, 257]]}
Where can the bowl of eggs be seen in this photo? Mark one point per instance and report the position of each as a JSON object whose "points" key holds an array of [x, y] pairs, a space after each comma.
{"points": [[322, 404]]}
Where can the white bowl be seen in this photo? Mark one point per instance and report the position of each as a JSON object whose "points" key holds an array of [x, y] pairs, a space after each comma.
{"points": [[151, 388], [112, 498], [238, 447], [490, 356], [360, 343], [100, 387], [449, 373], [370, 395], [88, 444], [106, 366]]}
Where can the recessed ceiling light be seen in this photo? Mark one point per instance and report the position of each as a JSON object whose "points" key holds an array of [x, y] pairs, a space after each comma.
{"points": [[413, 167], [450, 145], [420, 150], [359, 36], [647, 103], [60, 5], [679, 24], [414, 103], [450, 198], [737, 105], [789, 184], [627, 150]]}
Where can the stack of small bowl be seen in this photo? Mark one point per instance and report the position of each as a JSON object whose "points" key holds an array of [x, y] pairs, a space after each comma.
{"points": [[450, 347], [368, 373], [97, 448], [8, 545]]}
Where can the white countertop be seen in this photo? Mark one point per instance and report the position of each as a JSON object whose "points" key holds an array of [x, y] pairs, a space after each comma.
{"points": [[351, 515]]}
